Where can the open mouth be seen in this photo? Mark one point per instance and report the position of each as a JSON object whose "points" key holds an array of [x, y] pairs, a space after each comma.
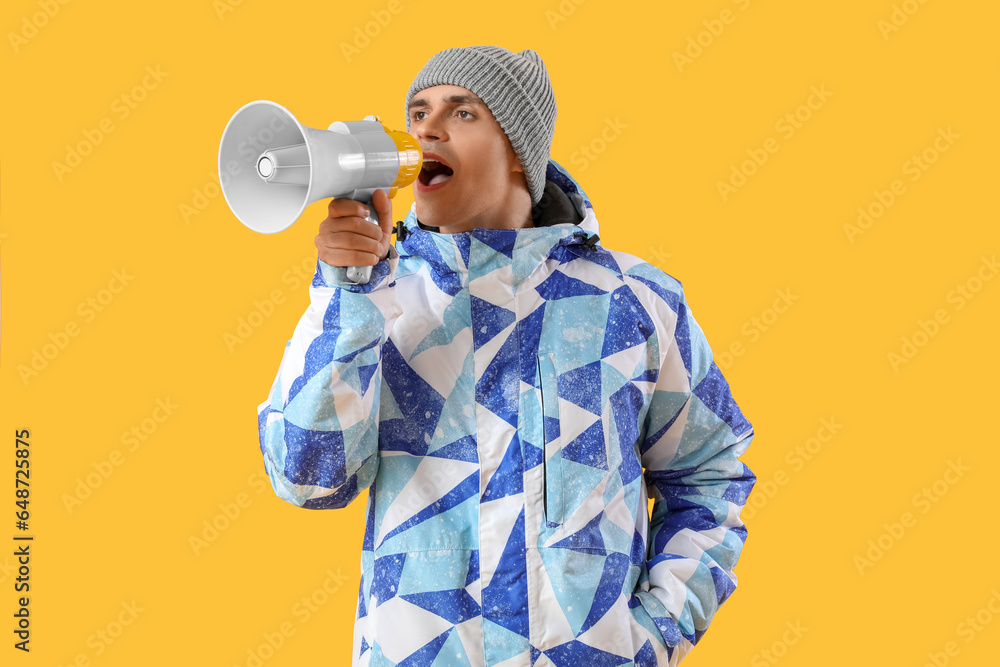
{"points": [[434, 172]]}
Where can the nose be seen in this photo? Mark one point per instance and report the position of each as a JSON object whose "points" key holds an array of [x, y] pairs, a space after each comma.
{"points": [[430, 128]]}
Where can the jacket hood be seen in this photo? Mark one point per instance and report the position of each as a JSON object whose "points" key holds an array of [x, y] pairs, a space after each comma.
{"points": [[563, 218]]}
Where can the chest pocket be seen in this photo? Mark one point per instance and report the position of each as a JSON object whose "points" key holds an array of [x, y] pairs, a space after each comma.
{"points": [[552, 461]]}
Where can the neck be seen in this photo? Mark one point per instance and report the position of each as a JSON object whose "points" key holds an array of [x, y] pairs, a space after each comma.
{"points": [[517, 221], [511, 210]]}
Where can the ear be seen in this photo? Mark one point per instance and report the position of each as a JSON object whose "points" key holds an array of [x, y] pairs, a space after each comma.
{"points": [[515, 162]]}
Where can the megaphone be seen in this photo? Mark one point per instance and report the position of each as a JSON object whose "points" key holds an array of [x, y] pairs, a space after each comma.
{"points": [[278, 166]]}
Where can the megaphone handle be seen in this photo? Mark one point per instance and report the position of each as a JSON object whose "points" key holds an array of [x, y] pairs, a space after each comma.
{"points": [[360, 275]]}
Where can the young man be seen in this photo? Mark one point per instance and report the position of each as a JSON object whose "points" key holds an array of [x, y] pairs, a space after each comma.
{"points": [[498, 386]]}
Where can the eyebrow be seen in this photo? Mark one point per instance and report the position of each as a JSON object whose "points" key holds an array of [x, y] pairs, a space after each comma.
{"points": [[449, 99]]}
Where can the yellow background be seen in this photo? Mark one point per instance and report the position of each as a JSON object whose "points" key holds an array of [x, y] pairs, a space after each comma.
{"points": [[654, 187]]}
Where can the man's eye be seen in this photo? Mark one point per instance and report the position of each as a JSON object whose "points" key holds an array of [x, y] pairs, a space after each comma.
{"points": [[417, 114]]}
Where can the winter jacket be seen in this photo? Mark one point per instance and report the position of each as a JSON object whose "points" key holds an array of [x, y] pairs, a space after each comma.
{"points": [[511, 399]]}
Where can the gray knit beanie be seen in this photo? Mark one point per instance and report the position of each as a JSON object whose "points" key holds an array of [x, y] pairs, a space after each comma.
{"points": [[517, 90]]}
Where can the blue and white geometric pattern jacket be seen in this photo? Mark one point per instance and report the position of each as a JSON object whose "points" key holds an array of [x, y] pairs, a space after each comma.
{"points": [[511, 399]]}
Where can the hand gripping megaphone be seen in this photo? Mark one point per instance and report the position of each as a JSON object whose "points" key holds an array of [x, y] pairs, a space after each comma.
{"points": [[277, 166]]}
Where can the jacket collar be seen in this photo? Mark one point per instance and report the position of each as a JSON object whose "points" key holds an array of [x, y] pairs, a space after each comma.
{"points": [[564, 221]]}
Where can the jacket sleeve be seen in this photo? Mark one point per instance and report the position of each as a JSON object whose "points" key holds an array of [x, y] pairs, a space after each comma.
{"points": [[693, 438], [319, 428]]}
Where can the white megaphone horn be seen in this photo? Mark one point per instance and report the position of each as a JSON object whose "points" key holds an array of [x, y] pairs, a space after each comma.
{"points": [[278, 166]]}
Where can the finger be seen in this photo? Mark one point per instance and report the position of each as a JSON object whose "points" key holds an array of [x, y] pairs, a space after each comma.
{"points": [[341, 257], [345, 208], [348, 241], [353, 225], [383, 206]]}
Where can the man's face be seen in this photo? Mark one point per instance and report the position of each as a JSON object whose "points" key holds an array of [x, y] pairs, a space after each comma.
{"points": [[486, 187]]}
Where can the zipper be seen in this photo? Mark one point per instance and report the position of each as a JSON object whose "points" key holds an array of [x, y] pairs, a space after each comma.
{"points": [[541, 412], [551, 454]]}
